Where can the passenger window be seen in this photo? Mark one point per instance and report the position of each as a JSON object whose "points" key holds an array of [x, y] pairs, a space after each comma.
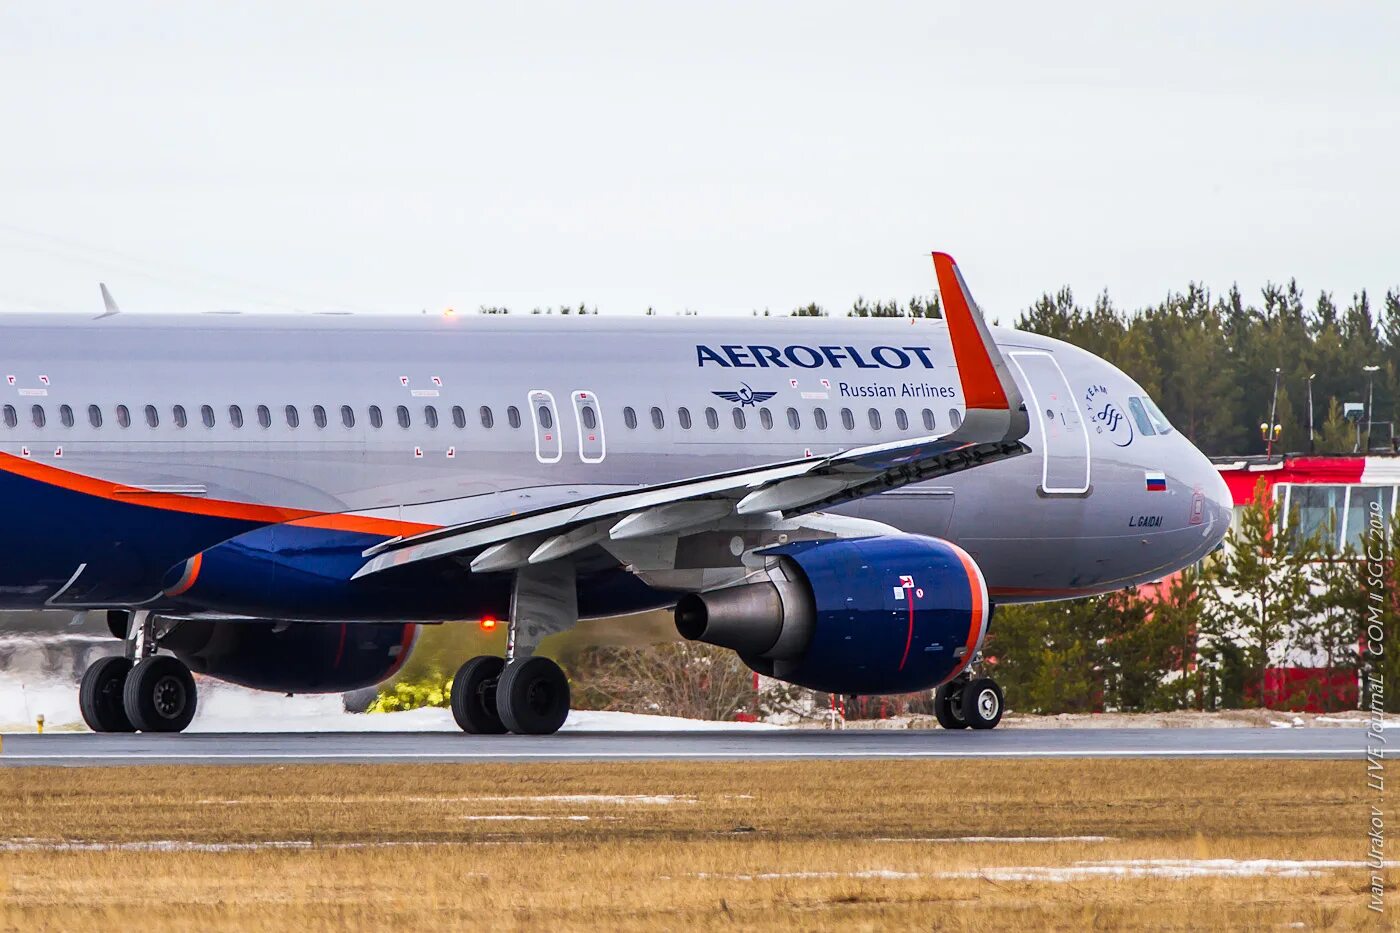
{"points": [[206, 414], [347, 416], [94, 416], [954, 418], [739, 420], [37, 413], [901, 420], [546, 416], [65, 415], [629, 418], [376, 417], [178, 413], [794, 421], [152, 416], [318, 414], [765, 417], [1144, 424], [459, 416], [874, 419], [123, 416], [401, 412], [430, 416], [293, 417], [487, 419], [513, 416], [683, 416], [264, 416], [819, 416], [712, 419], [658, 420], [235, 416], [590, 418], [928, 419], [11, 416], [848, 419]]}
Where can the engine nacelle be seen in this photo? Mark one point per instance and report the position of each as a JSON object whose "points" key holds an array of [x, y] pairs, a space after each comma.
{"points": [[293, 657], [886, 614]]}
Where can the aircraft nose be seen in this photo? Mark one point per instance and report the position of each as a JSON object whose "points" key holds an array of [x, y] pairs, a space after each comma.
{"points": [[1219, 504]]}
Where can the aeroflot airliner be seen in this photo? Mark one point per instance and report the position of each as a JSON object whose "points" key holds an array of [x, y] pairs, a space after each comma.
{"points": [[282, 501]]}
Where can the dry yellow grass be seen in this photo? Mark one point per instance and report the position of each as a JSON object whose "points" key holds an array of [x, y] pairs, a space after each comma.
{"points": [[773, 845]]}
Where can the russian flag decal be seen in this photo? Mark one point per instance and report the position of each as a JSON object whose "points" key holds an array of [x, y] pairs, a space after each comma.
{"points": [[1156, 481]]}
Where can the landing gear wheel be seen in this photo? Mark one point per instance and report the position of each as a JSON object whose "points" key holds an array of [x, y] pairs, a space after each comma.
{"points": [[159, 695], [982, 703], [533, 696], [474, 696], [100, 695], [947, 705]]}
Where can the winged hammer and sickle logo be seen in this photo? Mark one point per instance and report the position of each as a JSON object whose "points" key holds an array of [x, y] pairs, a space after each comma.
{"points": [[746, 397]]}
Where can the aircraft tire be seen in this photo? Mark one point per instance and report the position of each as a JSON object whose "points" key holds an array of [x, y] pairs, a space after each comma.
{"points": [[533, 696], [947, 705], [474, 696], [160, 695], [100, 695], [983, 703]]}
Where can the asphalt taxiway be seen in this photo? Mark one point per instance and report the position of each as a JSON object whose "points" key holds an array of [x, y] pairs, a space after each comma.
{"points": [[83, 749]]}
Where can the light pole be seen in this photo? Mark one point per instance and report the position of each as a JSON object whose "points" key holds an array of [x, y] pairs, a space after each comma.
{"points": [[1370, 372], [1273, 410], [1311, 445]]}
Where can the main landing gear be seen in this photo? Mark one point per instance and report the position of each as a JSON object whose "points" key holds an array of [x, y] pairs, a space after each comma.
{"points": [[523, 692], [139, 691], [969, 702]]}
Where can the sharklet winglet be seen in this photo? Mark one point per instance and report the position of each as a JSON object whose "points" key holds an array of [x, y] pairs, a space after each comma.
{"points": [[108, 302], [986, 379]]}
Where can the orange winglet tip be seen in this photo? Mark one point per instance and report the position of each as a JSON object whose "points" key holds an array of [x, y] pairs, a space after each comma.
{"points": [[970, 338]]}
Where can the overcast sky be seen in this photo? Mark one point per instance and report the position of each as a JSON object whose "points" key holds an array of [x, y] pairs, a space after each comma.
{"points": [[720, 157]]}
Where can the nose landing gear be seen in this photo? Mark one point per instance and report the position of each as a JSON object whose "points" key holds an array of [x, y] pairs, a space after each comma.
{"points": [[139, 690]]}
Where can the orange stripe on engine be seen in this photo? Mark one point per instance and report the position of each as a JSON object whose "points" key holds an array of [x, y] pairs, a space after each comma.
{"points": [[979, 608]]}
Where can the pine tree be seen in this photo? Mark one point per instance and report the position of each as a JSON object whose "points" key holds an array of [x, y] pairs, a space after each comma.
{"points": [[1261, 591]]}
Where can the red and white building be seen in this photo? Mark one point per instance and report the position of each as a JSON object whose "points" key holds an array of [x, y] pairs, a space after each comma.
{"points": [[1317, 490]]}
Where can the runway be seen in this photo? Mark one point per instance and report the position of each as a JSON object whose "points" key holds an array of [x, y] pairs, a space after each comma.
{"points": [[83, 749]]}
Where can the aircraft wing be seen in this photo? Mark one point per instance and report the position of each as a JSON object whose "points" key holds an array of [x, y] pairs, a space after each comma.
{"points": [[992, 428]]}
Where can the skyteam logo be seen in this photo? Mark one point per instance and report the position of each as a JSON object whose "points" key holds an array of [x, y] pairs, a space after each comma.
{"points": [[745, 397], [1106, 417], [798, 356]]}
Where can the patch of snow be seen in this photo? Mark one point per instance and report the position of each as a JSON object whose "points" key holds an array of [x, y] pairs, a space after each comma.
{"points": [[522, 817], [999, 839], [1174, 869], [229, 708], [654, 799], [884, 874]]}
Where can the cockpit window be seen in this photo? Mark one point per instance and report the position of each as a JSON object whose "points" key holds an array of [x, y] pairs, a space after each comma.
{"points": [[1144, 423], [1158, 419]]}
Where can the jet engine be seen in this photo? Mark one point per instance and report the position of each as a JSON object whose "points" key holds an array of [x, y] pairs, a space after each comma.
{"points": [[886, 614], [293, 657]]}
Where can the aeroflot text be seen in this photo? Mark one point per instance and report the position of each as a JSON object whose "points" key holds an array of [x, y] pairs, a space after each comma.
{"points": [[761, 357]]}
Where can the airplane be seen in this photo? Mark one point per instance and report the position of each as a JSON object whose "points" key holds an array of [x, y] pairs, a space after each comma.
{"points": [[282, 501]]}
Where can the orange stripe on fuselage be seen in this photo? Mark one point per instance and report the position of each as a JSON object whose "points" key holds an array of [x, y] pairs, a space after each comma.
{"points": [[981, 387], [212, 508]]}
